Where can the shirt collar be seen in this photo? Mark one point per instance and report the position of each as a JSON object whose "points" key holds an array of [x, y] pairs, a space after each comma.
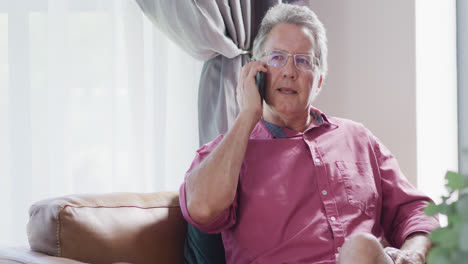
{"points": [[276, 131], [325, 120]]}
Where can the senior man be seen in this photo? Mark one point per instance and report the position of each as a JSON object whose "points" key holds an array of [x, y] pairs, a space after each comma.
{"points": [[288, 184]]}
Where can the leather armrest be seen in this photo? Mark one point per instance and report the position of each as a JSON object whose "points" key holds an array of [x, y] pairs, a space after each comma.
{"points": [[107, 228], [12, 255]]}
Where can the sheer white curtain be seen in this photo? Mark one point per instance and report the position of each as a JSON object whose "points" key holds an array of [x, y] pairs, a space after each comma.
{"points": [[93, 99]]}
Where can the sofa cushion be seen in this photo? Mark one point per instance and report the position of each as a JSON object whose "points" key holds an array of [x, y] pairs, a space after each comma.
{"points": [[107, 228]]}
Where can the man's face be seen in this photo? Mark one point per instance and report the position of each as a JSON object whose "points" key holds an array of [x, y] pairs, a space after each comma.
{"points": [[288, 89]]}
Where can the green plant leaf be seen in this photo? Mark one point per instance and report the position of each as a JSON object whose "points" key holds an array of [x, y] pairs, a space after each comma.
{"points": [[431, 209], [443, 208], [445, 198], [438, 256], [447, 209], [455, 181], [451, 242], [444, 237], [456, 223]]}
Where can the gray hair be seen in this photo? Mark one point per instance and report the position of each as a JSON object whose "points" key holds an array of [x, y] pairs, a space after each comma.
{"points": [[293, 14]]}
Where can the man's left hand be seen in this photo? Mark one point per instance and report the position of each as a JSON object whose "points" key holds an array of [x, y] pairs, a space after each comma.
{"points": [[405, 256]]}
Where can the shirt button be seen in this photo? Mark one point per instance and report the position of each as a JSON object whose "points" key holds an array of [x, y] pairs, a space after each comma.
{"points": [[317, 160], [324, 192], [332, 218]]}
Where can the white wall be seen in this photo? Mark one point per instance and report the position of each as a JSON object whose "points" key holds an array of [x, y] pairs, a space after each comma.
{"points": [[372, 73], [374, 79]]}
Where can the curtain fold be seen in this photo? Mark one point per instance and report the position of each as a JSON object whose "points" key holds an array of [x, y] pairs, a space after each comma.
{"points": [[196, 26], [217, 32]]}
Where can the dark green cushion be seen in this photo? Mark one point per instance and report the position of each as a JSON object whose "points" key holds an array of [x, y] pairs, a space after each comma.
{"points": [[203, 248]]}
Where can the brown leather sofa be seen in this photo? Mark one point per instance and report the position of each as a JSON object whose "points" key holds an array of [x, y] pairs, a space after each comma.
{"points": [[106, 228]]}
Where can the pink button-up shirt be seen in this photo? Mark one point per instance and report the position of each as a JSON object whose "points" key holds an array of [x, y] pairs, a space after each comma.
{"points": [[301, 196]]}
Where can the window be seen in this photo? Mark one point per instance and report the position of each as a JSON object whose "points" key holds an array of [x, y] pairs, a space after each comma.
{"points": [[93, 99]]}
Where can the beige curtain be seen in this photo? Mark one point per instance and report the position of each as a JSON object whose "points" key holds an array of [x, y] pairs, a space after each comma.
{"points": [[220, 33]]}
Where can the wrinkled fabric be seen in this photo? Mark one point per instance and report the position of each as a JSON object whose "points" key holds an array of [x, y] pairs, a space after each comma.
{"points": [[198, 27], [219, 33], [300, 197]]}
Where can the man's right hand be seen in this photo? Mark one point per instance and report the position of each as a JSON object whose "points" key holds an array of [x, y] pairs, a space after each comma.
{"points": [[212, 185], [248, 96]]}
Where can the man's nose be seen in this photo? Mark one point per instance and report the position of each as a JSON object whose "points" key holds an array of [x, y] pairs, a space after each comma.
{"points": [[289, 69]]}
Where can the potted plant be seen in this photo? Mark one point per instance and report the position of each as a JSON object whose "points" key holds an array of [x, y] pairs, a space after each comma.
{"points": [[451, 242]]}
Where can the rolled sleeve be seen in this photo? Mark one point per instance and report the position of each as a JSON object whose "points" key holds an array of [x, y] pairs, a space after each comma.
{"points": [[223, 221], [402, 203], [415, 222]]}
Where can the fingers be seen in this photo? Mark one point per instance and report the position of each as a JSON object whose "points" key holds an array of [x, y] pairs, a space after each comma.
{"points": [[247, 95], [253, 68], [404, 257], [248, 72], [393, 253], [247, 75]]}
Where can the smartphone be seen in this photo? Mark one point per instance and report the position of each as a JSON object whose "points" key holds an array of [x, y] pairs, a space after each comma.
{"points": [[260, 80]]}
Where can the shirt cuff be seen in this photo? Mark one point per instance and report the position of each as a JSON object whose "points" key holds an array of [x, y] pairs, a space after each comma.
{"points": [[219, 224], [414, 224]]}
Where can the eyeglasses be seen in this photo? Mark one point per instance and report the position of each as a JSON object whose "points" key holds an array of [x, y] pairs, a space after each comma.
{"points": [[278, 58]]}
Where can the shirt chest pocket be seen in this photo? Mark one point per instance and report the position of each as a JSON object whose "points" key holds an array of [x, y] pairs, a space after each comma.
{"points": [[359, 185]]}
